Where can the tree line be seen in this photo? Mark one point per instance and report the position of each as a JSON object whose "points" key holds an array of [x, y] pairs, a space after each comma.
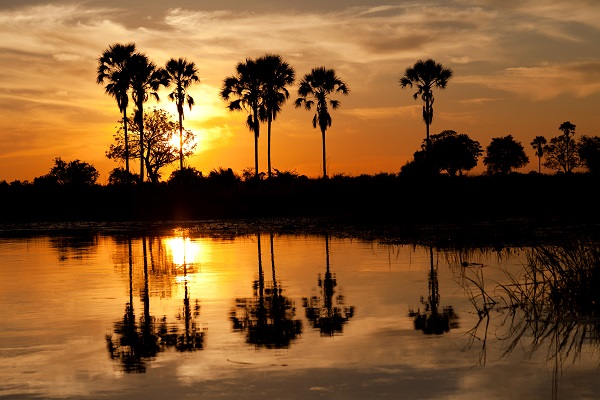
{"points": [[259, 87]]}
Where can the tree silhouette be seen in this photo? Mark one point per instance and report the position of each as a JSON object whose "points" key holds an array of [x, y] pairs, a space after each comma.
{"points": [[267, 317], [113, 69], [146, 79], [316, 87], [503, 155], [558, 155], [74, 174], [327, 312], [158, 148], [538, 144], [243, 92], [567, 129], [276, 75], [432, 320], [426, 75], [182, 74], [589, 152]]}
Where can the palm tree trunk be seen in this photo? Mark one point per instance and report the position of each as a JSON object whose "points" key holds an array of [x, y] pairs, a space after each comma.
{"points": [[140, 107], [324, 155], [126, 141], [269, 143], [256, 129], [539, 165], [180, 141]]}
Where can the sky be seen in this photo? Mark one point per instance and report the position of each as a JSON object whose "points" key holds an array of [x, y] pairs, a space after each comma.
{"points": [[521, 68]]}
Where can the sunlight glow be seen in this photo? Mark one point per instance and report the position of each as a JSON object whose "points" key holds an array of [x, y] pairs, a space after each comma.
{"points": [[184, 251]]}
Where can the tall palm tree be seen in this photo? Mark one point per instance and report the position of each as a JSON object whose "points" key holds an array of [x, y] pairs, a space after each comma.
{"points": [[426, 75], [112, 69], [243, 92], [316, 87], [277, 74], [146, 78], [538, 144], [182, 74]]}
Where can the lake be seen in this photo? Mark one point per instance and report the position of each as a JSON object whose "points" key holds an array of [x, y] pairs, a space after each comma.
{"points": [[186, 314]]}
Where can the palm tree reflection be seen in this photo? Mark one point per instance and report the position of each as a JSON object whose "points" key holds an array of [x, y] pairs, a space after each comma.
{"points": [[133, 345], [267, 317], [191, 337], [328, 313], [432, 320]]}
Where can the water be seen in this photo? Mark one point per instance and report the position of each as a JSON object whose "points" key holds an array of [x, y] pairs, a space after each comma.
{"points": [[184, 316]]}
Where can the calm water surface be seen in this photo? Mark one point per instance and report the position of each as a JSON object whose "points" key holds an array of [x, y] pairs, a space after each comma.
{"points": [[283, 316]]}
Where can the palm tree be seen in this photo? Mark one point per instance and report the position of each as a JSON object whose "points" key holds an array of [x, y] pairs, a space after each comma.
{"points": [[244, 91], [146, 78], [426, 75], [538, 144], [112, 68], [277, 74], [183, 74], [316, 87]]}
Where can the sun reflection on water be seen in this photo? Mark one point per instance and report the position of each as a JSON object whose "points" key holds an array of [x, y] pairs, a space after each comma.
{"points": [[184, 251]]}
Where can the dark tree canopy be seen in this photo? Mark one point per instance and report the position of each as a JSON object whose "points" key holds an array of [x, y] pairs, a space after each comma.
{"points": [[503, 155], [74, 173], [453, 152], [448, 151], [589, 153]]}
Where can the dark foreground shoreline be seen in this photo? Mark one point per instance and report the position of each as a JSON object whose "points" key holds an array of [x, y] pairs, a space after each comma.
{"points": [[444, 210]]}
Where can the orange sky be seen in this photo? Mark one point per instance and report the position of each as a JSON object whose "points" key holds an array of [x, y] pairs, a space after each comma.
{"points": [[520, 68]]}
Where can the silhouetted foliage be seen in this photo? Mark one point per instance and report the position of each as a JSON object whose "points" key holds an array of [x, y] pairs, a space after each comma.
{"points": [[538, 144], [113, 69], [453, 152], [74, 173], [146, 79], [119, 177], [159, 150], [561, 152], [276, 75], [426, 75], [558, 155], [189, 176], [182, 74], [223, 178], [243, 91], [503, 155], [589, 153], [315, 89]]}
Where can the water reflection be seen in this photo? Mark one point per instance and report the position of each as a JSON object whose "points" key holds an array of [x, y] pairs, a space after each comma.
{"points": [[327, 312], [75, 246], [190, 336], [433, 320], [267, 318], [134, 344]]}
